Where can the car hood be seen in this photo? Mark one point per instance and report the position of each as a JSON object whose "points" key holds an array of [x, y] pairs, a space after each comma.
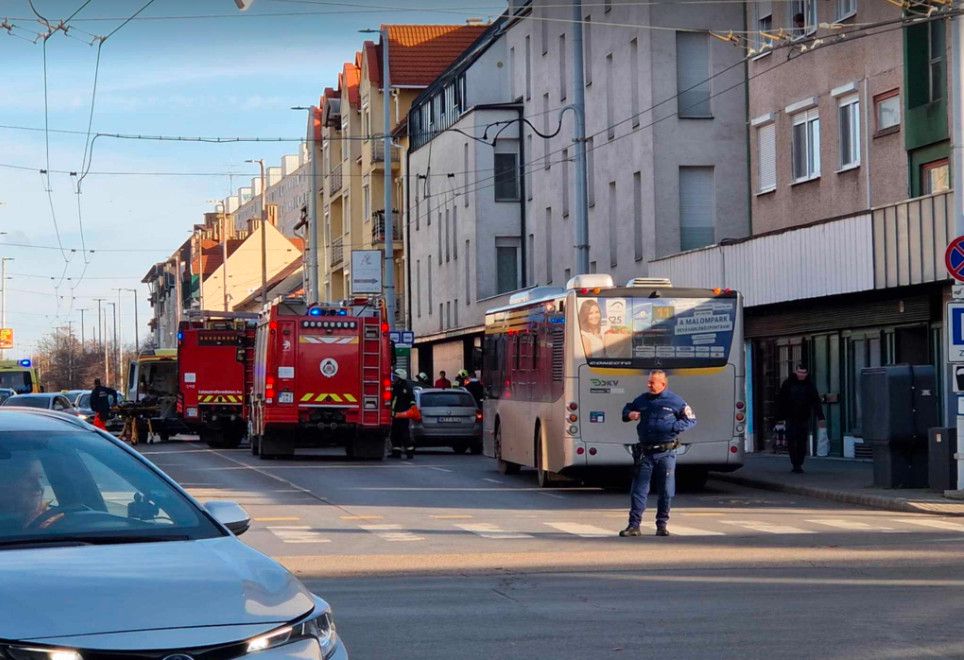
{"points": [[96, 589]]}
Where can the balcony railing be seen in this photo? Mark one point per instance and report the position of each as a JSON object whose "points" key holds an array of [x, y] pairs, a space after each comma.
{"points": [[378, 152], [338, 250], [378, 227], [334, 179]]}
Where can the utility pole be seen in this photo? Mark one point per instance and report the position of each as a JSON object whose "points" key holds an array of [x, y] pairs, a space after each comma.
{"points": [[224, 257], [137, 335], [114, 351], [581, 226], [82, 337], [100, 331], [3, 297], [264, 234], [957, 182]]}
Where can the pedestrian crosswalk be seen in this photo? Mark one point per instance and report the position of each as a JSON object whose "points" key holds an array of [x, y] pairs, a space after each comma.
{"points": [[528, 527]]}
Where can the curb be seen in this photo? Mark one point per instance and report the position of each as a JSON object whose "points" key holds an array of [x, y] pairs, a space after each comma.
{"points": [[845, 497]]}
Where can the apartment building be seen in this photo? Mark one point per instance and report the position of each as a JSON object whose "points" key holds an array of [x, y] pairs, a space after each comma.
{"points": [[850, 204], [351, 152]]}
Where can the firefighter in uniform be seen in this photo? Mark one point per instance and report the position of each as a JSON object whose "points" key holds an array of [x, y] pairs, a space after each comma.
{"points": [[661, 416], [403, 399]]}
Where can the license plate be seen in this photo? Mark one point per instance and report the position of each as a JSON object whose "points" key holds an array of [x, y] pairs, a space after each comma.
{"points": [[450, 420], [286, 397]]}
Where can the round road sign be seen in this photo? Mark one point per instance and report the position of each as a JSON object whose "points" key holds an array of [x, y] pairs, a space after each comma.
{"points": [[954, 258]]}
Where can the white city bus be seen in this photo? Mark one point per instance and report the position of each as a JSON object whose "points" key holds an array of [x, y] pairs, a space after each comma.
{"points": [[560, 364]]}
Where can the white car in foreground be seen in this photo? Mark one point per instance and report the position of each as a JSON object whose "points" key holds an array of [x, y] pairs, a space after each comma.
{"points": [[103, 556]]}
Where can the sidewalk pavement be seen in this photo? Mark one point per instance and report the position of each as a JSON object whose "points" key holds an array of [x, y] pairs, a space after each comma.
{"points": [[839, 480]]}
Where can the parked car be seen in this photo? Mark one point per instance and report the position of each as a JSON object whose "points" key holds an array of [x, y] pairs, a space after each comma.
{"points": [[6, 393], [103, 555], [45, 401], [73, 396], [449, 418]]}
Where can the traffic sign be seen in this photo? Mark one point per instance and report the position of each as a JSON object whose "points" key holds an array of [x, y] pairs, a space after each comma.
{"points": [[957, 292], [955, 332], [954, 258]]}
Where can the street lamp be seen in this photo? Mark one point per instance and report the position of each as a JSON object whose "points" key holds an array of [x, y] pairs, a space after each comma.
{"points": [[137, 337], [3, 296], [388, 229], [264, 234]]}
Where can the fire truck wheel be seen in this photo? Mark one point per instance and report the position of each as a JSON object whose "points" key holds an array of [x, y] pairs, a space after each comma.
{"points": [[272, 445], [231, 438], [213, 439]]}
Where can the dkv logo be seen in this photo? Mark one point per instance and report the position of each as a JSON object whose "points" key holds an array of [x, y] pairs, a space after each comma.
{"points": [[600, 382]]}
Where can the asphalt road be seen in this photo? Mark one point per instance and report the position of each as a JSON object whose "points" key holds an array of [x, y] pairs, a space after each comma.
{"points": [[442, 557]]}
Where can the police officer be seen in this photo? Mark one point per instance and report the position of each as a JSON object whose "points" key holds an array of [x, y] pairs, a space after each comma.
{"points": [[100, 400], [402, 400], [661, 416]]}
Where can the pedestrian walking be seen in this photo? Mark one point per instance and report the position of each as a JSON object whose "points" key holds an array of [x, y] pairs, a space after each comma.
{"points": [[442, 381], [661, 416], [797, 402], [403, 398]]}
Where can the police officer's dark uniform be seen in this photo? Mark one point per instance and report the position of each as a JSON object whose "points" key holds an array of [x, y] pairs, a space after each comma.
{"points": [[402, 400], [663, 417], [100, 398]]}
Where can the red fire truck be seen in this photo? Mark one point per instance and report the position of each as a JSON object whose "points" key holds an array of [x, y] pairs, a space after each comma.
{"points": [[322, 378], [215, 353]]}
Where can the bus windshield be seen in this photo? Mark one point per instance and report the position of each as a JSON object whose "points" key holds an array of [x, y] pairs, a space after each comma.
{"points": [[646, 333], [16, 380]]}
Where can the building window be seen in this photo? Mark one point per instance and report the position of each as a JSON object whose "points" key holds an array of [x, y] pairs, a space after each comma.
{"points": [[544, 32], [468, 279], [692, 75], [766, 158], [634, 81], [935, 177], [936, 48], [465, 174], [806, 145], [545, 130], [506, 177], [803, 18], [638, 216], [440, 317], [448, 313], [565, 183], [416, 211], [506, 264], [455, 233], [607, 6], [548, 245], [512, 71], [610, 128], [887, 112], [366, 204], [418, 286], [562, 67], [439, 227], [428, 265], [528, 66], [849, 116], [587, 50], [567, 274], [846, 9], [613, 232], [696, 207], [448, 236], [528, 170], [530, 263], [455, 305], [764, 23]]}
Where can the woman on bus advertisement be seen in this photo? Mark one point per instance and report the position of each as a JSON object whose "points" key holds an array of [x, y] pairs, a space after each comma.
{"points": [[603, 327], [590, 326]]}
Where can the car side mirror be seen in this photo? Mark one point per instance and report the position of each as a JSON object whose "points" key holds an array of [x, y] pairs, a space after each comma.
{"points": [[230, 514]]}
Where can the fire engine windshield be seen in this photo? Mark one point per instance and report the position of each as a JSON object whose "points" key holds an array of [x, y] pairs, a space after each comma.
{"points": [[646, 333]]}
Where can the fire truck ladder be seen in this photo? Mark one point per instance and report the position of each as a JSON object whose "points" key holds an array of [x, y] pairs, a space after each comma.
{"points": [[371, 371]]}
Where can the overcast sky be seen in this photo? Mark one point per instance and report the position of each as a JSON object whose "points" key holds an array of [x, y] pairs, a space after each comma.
{"points": [[181, 68]]}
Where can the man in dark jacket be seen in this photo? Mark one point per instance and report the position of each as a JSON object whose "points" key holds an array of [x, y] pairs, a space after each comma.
{"points": [[797, 401], [661, 416], [100, 400], [472, 384], [402, 400]]}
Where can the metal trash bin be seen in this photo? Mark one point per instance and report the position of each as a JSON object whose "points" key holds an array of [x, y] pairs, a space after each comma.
{"points": [[941, 465], [899, 404]]}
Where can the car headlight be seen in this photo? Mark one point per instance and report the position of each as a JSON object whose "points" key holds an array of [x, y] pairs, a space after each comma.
{"points": [[319, 627], [38, 653]]}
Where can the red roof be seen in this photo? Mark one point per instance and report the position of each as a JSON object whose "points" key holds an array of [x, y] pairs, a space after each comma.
{"points": [[418, 54]]}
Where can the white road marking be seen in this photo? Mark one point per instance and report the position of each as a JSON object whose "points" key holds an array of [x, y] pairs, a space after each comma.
{"points": [[938, 524], [492, 531], [391, 532], [439, 469], [843, 523], [297, 534], [680, 530], [492, 481], [578, 529], [769, 528]]}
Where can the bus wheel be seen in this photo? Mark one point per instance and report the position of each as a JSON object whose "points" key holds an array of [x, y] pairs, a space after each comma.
{"points": [[504, 467], [545, 478]]}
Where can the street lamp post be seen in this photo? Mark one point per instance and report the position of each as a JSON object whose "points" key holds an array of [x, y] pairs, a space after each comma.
{"points": [[264, 235], [3, 296], [389, 233], [114, 352], [137, 336]]}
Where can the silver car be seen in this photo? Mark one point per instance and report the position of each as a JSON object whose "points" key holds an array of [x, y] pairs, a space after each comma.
{"points": [[450, 418], [104, 556]]}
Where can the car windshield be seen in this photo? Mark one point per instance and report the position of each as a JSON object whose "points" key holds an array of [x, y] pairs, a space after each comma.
{"points": [[436, 399], [77, 486], [29, 401]]}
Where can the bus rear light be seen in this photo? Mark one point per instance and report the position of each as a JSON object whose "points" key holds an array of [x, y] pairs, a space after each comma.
{"points": [[592, 451], [740, 405], [734, 449], [573, 418], [573, 406], [580, 451], [739, 428], [740, 417], [573, 430]]}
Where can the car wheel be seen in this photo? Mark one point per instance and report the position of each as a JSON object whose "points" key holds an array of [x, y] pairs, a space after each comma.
{"points": [[460, 447]]}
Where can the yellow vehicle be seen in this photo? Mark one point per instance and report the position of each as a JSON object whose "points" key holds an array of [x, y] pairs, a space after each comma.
{"points": [[152, 390], [19, 375]]}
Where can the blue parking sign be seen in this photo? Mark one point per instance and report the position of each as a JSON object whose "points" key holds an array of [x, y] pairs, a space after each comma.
{"points": [[955, 332]]}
